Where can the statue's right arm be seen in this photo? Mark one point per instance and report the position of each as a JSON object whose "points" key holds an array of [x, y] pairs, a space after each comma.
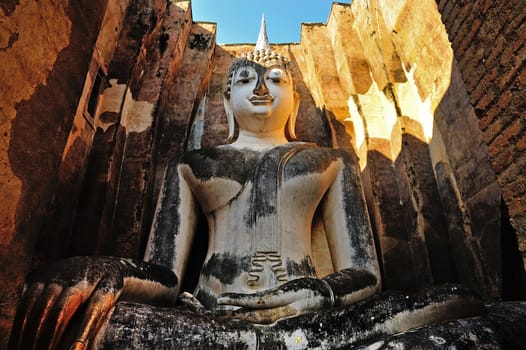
{"points": [[85, 289]]}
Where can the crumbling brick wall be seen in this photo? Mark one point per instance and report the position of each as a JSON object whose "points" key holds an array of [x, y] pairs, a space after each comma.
{"points": [[488, 39]]}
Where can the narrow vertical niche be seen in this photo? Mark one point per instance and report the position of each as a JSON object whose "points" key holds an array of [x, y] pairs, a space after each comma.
{"points": [[94, 96]]}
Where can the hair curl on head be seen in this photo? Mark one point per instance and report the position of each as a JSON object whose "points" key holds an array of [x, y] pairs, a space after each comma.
{"points": [[262, 57]]}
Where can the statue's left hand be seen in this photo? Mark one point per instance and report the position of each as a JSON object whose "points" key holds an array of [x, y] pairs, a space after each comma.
{"points": [[293, 298]]}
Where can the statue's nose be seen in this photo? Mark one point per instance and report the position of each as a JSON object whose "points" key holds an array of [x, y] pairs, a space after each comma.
{"points": [[261, 88]]}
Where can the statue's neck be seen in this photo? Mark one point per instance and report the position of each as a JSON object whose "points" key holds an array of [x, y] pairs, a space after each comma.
{"points": [[247, 139]]}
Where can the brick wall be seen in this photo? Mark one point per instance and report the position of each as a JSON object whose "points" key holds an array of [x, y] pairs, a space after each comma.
{"points": [[488, 39]]}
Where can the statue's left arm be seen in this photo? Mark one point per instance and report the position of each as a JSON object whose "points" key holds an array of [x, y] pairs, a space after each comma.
{"points": [[349, 237]]}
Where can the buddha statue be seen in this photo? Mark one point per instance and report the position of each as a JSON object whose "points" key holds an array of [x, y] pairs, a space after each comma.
{"points": [[258, 286]]}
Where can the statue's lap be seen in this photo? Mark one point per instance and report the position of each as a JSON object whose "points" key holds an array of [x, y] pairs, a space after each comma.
{"points": [[374, 319]]}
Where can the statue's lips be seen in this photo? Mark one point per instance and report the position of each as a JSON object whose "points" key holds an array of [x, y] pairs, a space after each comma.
{"points": [[260, 100]]}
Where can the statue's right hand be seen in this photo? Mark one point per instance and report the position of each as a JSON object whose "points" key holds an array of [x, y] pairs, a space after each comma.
{"points": [[53, 295]]}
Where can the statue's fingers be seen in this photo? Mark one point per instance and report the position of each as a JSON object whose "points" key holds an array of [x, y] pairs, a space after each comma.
{"points": [[25, 308], [39, 315], [59, 317], [265, 316], [261, 300], [97, 310]]}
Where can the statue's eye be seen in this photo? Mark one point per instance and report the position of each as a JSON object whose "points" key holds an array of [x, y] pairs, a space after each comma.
{"points": [[243, 81], [244, 76], [276, 76]]}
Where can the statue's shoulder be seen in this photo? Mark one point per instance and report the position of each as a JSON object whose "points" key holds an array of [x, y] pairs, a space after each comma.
{"points": [[318, 157], [219, 162]]}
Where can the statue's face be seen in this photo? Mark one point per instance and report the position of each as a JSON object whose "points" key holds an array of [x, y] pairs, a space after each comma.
{"points": [[261, 98]]}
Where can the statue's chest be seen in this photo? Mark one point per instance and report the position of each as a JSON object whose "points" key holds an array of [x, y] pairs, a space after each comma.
{"points": [[245, 166], [219, 175]]}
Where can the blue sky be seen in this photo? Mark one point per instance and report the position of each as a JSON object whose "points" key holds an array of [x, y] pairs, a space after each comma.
{"points": [[238, 21]]}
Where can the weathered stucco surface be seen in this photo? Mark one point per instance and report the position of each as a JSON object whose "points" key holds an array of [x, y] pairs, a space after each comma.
{"points": [[40, 54], [24, 67]]}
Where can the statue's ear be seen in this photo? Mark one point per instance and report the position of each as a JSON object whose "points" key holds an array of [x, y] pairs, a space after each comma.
{"points": [[291, 123], [229, 116]]}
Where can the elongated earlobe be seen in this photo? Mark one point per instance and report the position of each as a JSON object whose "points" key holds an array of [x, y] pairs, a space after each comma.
{"points": [[291, 122], [229, 117]]}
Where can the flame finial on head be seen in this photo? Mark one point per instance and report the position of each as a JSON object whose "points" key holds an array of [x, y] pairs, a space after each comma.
{"points": [[262, 44]]}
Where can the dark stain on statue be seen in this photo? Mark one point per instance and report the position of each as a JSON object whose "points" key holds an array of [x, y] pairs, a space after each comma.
{"points": [[310, 161], [166, 219], [265, 178], [355, 216], [304, 268], [350, 280], [206, 299], [199, 42], [210, 162], [225, 267], [263, 201]]}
